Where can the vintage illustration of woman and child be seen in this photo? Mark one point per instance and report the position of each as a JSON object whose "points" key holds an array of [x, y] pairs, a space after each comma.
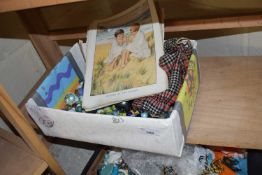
{"points": [[123, 46]]}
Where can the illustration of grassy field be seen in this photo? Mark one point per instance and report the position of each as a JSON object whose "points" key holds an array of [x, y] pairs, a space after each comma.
{"points": [[136, 73]]}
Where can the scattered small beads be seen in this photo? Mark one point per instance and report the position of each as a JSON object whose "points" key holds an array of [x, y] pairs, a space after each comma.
{"points": [[122, 109], [73, 103]]}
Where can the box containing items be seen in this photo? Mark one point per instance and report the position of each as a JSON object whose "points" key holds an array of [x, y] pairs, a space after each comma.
{"points": [[165, 135], [124, 89]]}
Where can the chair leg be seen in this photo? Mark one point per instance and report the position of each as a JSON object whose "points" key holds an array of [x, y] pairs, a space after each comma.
{"points": [[16, 118]]}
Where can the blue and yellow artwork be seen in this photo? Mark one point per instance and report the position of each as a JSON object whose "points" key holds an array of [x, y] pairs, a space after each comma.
{"points": [[63, 79]]}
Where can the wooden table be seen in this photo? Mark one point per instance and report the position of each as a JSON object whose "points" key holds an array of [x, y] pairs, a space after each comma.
{"points": [[228, 111]]}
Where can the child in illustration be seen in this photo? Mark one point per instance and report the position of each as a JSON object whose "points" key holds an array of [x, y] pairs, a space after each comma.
{"points": [[137, 46], [118, 46]]}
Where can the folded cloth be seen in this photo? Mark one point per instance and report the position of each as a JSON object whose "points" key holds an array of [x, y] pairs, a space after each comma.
{"points": [[177, 52]]}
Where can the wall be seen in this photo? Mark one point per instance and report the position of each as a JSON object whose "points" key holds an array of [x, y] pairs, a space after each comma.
{"points": [[248, 44], [20, 68]]}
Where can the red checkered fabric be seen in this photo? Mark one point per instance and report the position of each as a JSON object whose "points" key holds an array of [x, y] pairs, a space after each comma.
{"points": [[177, 52]]}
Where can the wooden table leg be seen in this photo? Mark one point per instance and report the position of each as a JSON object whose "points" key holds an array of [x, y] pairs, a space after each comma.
{"points": [[16, 118]]}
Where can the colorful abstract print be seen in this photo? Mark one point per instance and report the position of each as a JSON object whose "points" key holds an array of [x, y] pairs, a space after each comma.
{"points": [[222, 162], [62, 80]]}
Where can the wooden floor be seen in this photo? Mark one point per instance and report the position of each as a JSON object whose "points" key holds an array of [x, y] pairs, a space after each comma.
{"points": [[228, 111]]}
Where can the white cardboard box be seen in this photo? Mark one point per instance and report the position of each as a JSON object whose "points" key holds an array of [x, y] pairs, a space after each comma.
{"points": [[164, 136]]}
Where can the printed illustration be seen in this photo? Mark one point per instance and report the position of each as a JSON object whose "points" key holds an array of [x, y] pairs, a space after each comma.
{"points": [[124, 57], [187, 95]]}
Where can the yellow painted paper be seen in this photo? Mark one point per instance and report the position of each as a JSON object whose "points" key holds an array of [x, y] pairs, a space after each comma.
{"points": [[188, 92]]}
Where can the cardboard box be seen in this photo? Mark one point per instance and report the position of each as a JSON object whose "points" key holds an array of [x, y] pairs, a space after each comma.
{"points": [[164, 136]]}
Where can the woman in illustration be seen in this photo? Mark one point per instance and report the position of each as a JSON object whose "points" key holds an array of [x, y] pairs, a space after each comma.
{"points": [[137, 45], [118, 46]]}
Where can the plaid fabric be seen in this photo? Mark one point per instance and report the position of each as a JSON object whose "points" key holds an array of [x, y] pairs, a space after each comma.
{"points": [[174, 62]]}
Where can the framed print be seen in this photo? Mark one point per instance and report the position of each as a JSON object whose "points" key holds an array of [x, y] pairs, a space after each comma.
{"points": [[122, 57]]}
